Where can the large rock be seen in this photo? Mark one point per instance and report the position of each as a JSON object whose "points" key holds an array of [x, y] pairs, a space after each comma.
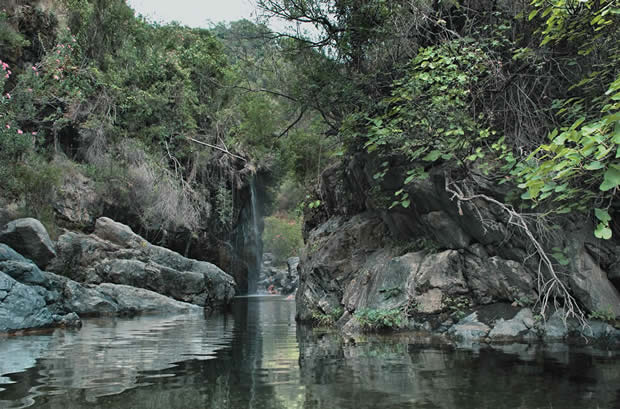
{"points": [[469, 328], [514, 328], [438, 276], [115, 254], [109, 299], [494, 279], [29, 238], [592, 287], [21, 306]]}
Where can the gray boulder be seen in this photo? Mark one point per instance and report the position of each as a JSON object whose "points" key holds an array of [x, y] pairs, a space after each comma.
{"points": [[592, 287], [115, 254], [514, 328], [21, 307], [556, 326], [111, 299], [469, 328], [29, 238]]}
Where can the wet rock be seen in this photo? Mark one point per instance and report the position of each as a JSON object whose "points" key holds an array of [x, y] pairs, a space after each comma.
{"points": [[514, 328], [556, 326], [336, 253], [469, 328], [70, 320], [29, 238]]}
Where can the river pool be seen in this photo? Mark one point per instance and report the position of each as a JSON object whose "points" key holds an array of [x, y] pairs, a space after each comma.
{"points": [[257, 357]]}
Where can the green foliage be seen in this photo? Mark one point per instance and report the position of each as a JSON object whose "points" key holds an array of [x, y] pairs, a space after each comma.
{"points": [[282, 237], [603, 315], [458, 306], [391, 292], [322, 319], [378, 319], [579, 168]]}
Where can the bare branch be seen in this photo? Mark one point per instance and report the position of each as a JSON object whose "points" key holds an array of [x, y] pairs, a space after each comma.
{"points": [[548, 287], [216, 147]]}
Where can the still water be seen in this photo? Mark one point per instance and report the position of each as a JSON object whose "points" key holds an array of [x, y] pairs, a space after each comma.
{"points": [[256, 357]]}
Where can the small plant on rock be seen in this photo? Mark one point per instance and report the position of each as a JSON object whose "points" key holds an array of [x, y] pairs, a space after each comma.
{"points": [[458, 306], [326, 319], [603, 315], [378, 319]]}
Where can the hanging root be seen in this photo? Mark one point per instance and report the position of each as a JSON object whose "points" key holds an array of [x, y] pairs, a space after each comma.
{"points": [[550, 286]]}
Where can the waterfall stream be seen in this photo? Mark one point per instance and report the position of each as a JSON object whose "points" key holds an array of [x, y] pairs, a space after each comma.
{"points": [[254, 273]]}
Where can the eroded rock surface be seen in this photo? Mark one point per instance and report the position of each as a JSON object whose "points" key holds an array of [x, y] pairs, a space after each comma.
{"points": [[115, 254]]}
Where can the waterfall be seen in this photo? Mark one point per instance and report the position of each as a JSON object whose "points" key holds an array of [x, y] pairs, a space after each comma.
{"points": [[254, 273]]}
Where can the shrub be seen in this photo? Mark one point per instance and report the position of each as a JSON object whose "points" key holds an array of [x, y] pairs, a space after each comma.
{"points": [[377, 319], [323, 319], [282, 237]]}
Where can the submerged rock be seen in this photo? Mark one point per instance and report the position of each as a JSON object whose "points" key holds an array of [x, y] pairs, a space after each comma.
{"points": [[29, 238]]}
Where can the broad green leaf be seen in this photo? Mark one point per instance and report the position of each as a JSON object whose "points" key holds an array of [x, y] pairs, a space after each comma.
{"points": [[596, 165], [611, 179], [432, 156], [406, 203], [602, 232], [602, 215]]}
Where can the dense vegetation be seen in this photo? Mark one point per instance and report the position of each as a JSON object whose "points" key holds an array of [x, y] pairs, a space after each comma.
{"points": [[520, 93], [164, 118]]}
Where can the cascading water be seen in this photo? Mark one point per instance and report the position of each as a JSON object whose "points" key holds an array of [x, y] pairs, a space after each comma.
{"points": [[254, 273]]}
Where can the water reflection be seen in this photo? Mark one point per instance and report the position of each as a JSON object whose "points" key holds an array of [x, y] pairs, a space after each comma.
{"points": [[256, 357]]}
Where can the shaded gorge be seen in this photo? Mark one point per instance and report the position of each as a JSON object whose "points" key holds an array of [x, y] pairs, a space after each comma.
{"points": [[258, 357]]}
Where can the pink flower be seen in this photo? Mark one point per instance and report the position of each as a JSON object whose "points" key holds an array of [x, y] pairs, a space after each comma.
{"points": [[34, 68], [8, 96], [8, 126], [34, 133], [56, 77], [19, 131], [57, 60], [6, 76]]}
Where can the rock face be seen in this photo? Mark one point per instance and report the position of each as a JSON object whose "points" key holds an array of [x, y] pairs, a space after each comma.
{"points": [[115, 254], [77, 204], [29, 238], [438, 261]]}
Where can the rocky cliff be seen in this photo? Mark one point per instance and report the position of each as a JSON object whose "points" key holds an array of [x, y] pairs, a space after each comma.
{"points": [[457, 267]]}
